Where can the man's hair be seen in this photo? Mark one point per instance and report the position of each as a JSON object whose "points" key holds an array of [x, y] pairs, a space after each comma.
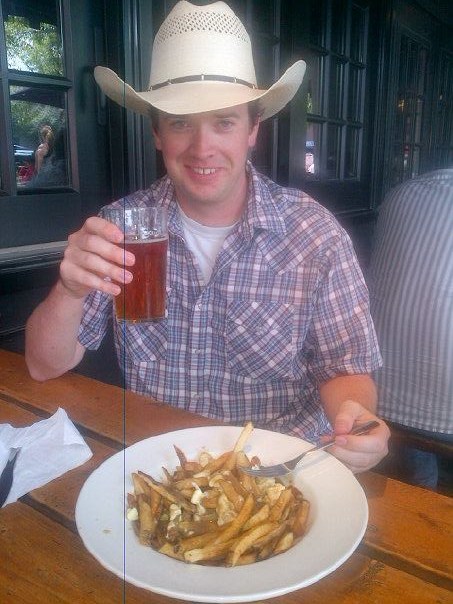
{"points": [[254, 107]]}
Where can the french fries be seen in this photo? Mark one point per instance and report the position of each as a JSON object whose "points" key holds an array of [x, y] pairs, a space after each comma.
{"points": [[210, 512]]}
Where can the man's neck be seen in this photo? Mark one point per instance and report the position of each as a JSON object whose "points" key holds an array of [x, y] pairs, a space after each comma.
{"points": [[218, 213], [213, 216]]}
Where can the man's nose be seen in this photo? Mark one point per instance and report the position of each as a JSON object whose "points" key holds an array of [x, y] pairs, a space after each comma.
{"points": [[202, 141]]}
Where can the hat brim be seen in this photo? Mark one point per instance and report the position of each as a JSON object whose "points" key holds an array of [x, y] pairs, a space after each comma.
{"points": [[200, 96]]}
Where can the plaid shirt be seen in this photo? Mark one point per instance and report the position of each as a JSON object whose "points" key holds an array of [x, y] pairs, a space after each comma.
{"points": [[285, 310]]}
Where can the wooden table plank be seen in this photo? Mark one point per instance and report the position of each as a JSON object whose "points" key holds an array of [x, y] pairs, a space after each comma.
{"points": [[42, 562], [123, 417], [410, 527]]}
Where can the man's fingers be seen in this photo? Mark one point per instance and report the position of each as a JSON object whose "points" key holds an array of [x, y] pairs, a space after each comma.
{"points": [[362, 452], [99, 226], [95, 259]]}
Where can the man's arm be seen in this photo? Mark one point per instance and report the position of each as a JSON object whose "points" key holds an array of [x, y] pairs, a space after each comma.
{"points": [[93, 260], [51, 346], [347, 400]]}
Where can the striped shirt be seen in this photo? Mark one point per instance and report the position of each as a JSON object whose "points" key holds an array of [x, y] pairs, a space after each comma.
{"points": [[411, 283], [286, 308]]}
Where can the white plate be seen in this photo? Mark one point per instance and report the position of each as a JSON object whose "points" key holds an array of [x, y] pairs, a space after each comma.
{"points": [[337, 522]]}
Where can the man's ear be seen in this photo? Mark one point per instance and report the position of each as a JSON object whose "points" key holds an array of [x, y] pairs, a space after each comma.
{"points": [[156, 137], [253, 134]]}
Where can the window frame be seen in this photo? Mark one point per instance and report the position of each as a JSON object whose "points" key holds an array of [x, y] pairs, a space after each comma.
{"points": [[341, 195], [54, 212]]}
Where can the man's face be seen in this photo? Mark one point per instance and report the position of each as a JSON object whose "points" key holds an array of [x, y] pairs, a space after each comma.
{"points": [[205, 156]]}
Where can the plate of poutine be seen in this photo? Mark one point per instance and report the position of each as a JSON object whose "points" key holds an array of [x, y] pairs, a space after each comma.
{"points": [[175, 515]]}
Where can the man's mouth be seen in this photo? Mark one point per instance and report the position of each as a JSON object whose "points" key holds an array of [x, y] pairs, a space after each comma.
{"points": [[204, 171]]}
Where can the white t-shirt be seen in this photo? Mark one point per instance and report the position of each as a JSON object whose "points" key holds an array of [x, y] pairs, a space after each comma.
{"points": [[204, 242]]}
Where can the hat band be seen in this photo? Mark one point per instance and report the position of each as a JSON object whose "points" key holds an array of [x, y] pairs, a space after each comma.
{"points": [[201, 78]]}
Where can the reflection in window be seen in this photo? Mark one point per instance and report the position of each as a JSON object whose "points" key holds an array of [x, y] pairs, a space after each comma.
{"points": [[312, 148], [355, 94], [336, 88], [33, 36], [40, 138], [314, 81], [336, 72], [358, 33], [333, 151], [352, 153], [410, 110]]}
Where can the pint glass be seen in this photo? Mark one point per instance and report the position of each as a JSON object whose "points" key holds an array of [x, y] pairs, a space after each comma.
{"points": [[146, 236]]}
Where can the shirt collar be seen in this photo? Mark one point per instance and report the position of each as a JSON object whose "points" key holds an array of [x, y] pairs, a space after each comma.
{"points": [[262, 211]]}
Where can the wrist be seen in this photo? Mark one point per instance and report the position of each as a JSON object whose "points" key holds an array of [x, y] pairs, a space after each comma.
{"points": [[63, 291]]}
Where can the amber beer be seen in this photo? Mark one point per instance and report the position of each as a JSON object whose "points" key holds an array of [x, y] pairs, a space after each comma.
{"points": [[144, 298]]}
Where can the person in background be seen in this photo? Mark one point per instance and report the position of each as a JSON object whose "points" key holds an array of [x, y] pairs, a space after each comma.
{"points": [[267, 310], [54, 168], [411, 287], [45, 146]]}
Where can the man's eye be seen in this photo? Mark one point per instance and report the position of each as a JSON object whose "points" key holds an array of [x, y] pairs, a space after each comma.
{"points": [[178, 124], [226, 124]]}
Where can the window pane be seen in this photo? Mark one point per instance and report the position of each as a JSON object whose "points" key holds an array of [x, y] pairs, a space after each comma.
{"points": [[397, 165], [333, 151], [412, 66], [338, 31], [355, 94], [317, 12], [352, 153], [263, 18], [335, 88], [313, 148], [415, 162], [40, 137], [398, 133], [314, 76], [403, 67], [418, 120], [33, 36], [358, 33]]}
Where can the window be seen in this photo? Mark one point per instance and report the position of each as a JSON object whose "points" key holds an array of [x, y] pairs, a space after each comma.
{"points": [[54, 150], [336, 69], [408, 141], [36, 88], [443, 108]]}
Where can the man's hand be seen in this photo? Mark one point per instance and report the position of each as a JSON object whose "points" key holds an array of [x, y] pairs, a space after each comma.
{"points": [[358, 453], [94, 259]]}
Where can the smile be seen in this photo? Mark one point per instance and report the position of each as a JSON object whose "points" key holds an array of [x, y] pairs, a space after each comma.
{"points": [[204, 170]]}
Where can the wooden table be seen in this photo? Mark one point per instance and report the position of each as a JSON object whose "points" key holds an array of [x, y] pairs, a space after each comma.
{"points": [[406, 555]]}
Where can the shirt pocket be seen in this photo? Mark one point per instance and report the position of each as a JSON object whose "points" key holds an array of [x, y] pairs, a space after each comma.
{"points": [[259, 339], [144, 342]]}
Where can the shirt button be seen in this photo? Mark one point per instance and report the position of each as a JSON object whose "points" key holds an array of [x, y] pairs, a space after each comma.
{"points": [[195, 397], [198, 306], [196, 350]]}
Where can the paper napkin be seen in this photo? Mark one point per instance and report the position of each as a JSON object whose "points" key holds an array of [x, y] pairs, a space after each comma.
{"points": [[49, 448]]}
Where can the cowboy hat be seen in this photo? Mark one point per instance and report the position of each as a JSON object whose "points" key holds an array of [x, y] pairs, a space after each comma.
{"points": [[201, 61]]}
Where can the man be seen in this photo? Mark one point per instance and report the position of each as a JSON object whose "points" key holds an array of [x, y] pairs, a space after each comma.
{"points": [[268, 314], [411, 283]]}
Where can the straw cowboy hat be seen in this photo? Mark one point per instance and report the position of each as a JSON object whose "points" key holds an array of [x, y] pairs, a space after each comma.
{"points": [[202, 61]]}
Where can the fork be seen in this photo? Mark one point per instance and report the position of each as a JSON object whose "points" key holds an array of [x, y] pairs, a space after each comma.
{"points": [[288, 466]]}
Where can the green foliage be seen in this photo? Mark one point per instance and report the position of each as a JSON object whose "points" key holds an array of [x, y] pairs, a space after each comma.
{"points": [[28, 118], [35, 50]]}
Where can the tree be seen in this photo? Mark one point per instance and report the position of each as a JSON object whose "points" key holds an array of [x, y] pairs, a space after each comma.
{"points": [[35, 50]]}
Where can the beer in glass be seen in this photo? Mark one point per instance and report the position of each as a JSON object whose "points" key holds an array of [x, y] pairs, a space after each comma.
{"points": [[146, 236]]}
